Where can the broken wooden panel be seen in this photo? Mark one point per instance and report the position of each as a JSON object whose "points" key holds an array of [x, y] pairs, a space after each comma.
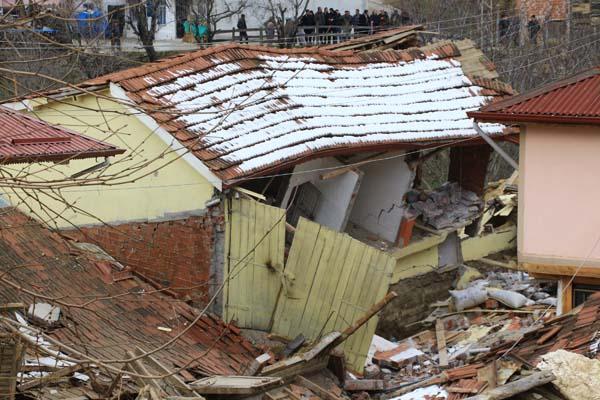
{"points": [[332, 280], [10, 360], [235, 385], [254, 248], [468, 167]]}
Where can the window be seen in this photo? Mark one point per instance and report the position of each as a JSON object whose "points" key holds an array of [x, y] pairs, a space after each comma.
{"points": [[582, 292], [161, 11]]}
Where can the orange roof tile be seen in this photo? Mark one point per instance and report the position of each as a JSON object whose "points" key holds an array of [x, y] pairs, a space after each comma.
{"points": [[246, 111], [121, 315]]}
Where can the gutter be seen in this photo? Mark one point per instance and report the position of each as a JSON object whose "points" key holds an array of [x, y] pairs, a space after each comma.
{"points": [[515, 119]]}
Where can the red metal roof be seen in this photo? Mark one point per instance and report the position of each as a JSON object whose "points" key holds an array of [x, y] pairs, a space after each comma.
{"points": [[27, 139], [574, 100]]}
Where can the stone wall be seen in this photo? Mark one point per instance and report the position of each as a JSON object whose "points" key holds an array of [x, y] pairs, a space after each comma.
{"points": [[412, 304]]}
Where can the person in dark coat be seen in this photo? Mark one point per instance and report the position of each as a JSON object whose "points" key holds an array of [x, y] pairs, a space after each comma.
{"points": [[346, 25], [308, 20], [374, 22], [356, 18], [320, 23], [503, 27], [405, 18], [395, 18], [534, 28], [363, 23], [243, 28], [115, 34]]}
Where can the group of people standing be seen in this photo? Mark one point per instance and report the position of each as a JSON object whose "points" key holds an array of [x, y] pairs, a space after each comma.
{"points": [[327, 25], [509, 28]]}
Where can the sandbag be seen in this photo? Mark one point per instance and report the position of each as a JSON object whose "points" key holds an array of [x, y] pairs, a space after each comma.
{"points": [[508, 297], [468, 298]]}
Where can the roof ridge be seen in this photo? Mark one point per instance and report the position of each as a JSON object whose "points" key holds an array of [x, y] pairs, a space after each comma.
{"points": [[186, 57]]}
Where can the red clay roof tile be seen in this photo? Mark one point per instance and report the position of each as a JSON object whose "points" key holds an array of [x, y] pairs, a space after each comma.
{"points": [[125, 314], [24, 139]]}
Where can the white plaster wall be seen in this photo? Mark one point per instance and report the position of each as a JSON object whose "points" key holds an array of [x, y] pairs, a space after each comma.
{"points": [[257, 15], [164, 32], [378, 206], [336, 193], [168, 31]]}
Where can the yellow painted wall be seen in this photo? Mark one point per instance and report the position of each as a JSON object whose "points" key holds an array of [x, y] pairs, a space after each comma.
{"points": [[422, 257], [174, 187]]}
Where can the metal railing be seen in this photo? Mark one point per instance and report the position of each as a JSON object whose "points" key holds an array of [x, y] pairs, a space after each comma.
{"points": [[299, 36]]}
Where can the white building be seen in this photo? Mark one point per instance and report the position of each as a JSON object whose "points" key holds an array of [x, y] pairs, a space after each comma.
{"points": [[256, 14]]}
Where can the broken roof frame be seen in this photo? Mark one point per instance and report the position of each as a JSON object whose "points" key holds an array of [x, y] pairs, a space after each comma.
{"points": [[134, 87]]}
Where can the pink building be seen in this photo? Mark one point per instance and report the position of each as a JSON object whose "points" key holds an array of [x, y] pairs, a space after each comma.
{"points": [[559, 187]]}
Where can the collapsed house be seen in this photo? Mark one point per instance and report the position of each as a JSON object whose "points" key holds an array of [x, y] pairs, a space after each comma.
{"points": [[291, 178]]}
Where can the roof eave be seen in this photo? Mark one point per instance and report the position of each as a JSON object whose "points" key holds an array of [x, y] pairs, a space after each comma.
{"points": [[386, 147], [62, 157], [147, 120], [514, 119]]}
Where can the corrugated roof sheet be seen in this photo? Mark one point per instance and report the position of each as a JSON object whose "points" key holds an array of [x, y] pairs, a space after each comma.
{"points": [[27, 139], [572, 100], [120, 313], [248, 110]]}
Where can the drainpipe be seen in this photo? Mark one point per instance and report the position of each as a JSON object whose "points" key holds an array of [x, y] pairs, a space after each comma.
{"points": [[495, 146]]}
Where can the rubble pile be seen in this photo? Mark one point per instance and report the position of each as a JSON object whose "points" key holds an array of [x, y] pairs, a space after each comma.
{"points": [[477, 321], [448, 206]]}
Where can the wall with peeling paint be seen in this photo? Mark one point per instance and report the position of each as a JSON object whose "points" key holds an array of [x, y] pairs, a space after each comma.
{"points": [[378, 206]]}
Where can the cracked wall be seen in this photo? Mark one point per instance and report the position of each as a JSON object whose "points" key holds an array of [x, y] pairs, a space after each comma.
{"points": [[378, 206]]}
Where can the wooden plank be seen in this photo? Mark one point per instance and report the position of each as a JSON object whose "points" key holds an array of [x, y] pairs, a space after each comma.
{"points": [[293, 297], [549, 335], [321, 345], [336, 172], [335, 279], [322, 283], [440, 335], [51, 377], [365, 385], [12, 307], [255, 233], [173, 379], [562, 270], [316, 389], [138, 367], [519, 386], [235, 385], [567, 294]]}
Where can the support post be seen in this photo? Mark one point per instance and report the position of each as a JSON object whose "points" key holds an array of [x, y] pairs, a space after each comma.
{"points": [[495, 146]]}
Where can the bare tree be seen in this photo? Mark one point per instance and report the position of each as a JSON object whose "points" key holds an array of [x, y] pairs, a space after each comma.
{"points": [[213, 13], [143, 20], [287, 14]]}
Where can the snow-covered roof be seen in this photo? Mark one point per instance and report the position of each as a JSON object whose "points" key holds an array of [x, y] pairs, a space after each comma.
{"points": [[246, 111]]}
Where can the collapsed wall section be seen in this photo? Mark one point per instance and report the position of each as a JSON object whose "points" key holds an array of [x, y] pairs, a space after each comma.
{"points": [[176, 254]]}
